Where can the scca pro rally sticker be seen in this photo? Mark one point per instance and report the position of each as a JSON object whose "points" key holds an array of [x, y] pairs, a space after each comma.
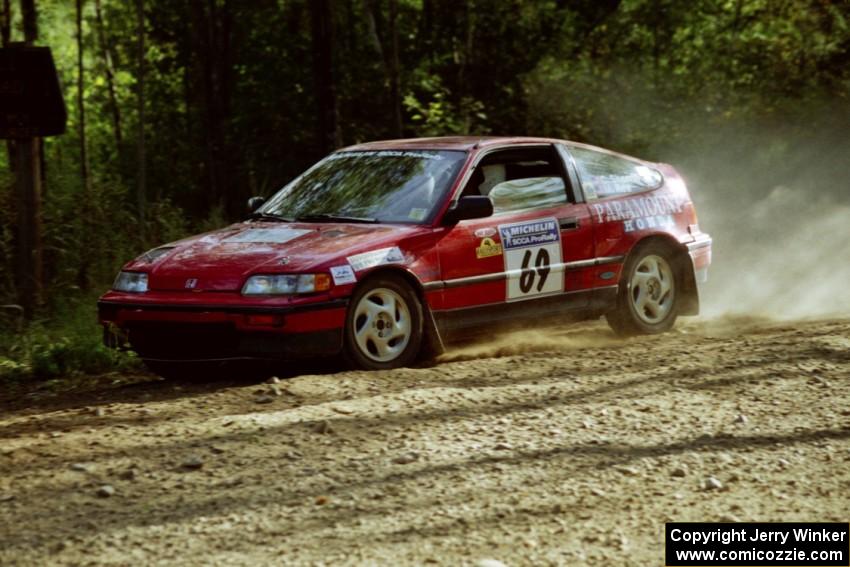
{"points": [[532, 258], [343, 275], [376, 258]]}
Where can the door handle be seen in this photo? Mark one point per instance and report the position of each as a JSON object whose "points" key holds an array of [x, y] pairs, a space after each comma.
{"points": [[569, 223]]}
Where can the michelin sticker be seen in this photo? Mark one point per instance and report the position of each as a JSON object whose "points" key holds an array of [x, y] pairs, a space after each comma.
{"points": [[270, 235], [533, 261], [376, 258], [343, 275]]}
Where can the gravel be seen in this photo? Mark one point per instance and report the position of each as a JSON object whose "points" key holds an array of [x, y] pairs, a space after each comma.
{"points": [[485, 456], [105, 491]]}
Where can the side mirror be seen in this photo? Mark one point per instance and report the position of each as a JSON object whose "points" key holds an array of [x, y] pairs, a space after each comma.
{"points": [[255, 203], [469, 207]]}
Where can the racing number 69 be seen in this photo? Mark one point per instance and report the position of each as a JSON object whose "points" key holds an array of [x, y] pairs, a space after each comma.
{"points": [[541, 269]]}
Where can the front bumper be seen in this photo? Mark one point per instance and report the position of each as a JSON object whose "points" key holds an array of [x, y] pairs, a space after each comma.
{"points": [[160, 326]]}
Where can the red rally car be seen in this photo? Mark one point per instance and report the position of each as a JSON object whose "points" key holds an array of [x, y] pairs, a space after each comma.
{"points": [[386, 250]]}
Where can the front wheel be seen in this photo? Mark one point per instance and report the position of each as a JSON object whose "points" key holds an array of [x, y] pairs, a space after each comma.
{"points": [[383, 327], [648, 297]]}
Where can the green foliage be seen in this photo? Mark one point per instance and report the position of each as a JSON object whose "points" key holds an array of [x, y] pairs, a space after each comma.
{"points": [[658, 71], [69, 342], [438, 115]]}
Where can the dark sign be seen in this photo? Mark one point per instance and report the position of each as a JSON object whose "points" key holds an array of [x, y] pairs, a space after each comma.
{"points": [[31, 102]]}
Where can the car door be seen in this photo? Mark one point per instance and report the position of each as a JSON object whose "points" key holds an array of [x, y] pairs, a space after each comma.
{"points": [[520, 260]]}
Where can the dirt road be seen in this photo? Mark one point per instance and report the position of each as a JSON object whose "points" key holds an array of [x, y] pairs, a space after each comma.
{"points": [[565, 448]]}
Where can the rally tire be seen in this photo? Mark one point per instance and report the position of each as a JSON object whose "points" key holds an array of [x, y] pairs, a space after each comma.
{"points": [[383, 325], [649, 293]]}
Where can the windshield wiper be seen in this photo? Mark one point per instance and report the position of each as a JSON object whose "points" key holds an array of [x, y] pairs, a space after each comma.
{"points": [[268, 217], [319, 217]]}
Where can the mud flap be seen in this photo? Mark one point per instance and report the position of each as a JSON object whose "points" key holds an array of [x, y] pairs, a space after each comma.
{"points": [[689, 305], [433, 344]]}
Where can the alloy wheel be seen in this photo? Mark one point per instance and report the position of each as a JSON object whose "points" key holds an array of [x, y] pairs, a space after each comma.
{"points": [[382, 325]]}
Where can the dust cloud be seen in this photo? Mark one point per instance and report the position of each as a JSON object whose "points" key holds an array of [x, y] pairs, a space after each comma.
{"points": [[536, 340], [776, 200], [785, 256]]}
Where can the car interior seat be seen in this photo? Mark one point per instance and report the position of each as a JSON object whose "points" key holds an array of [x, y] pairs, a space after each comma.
{"points": [[493, 175]]}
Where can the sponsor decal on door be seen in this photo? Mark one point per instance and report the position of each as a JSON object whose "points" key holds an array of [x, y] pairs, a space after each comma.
{"points": [[488, 248], [533, 263]]}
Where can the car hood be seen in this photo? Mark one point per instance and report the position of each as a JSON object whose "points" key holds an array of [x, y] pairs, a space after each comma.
{"points": [[222, 260]]}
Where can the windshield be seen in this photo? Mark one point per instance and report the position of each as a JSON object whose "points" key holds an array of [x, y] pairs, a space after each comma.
{"points": [[395, 186]]}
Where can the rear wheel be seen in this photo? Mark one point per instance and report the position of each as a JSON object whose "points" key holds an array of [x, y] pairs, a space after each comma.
{"points": [[648, 297], [384, 325]]}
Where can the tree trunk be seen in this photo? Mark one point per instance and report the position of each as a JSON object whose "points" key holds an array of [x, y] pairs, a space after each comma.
{"points": [[141, 180], [211, 28], [5, 37], [426, 28], [108, 64], [30, 25], [387, 50], [83, 272], [30, 21], [393, 70], [6, 24], [465, 61], [81, 107], [29, 253], [328, 132], [372, 28]]}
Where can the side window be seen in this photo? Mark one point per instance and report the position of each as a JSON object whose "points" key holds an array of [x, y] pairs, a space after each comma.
{"points": [[528, 193], [603, 175], [520, 179]]}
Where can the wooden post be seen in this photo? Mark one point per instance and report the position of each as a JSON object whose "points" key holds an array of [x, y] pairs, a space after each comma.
{"points": [[29, 266], [29, 257]]}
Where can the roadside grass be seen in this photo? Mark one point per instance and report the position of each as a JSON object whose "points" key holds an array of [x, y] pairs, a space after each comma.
{"points": [[68, 342]]}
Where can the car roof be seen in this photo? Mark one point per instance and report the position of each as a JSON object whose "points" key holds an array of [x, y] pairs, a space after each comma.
{"points": [[466, 143], [447, 143]]}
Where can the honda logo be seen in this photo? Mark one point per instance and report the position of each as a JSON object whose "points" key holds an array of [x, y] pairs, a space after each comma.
{"points": [[191, 283]]}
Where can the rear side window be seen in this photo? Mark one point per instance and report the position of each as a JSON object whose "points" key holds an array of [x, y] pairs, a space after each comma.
{"points": [[520, 179], [603, 175], [528, 193]]}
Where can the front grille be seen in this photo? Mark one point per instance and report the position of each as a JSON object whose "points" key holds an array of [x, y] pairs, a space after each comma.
{"points": [[183, 341]]}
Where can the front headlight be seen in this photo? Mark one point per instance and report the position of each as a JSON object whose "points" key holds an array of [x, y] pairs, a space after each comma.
{"points": [[135, 282], [286, 284]]}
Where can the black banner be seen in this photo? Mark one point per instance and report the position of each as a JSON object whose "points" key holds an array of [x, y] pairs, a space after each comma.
{"points": [[693, 544]]}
